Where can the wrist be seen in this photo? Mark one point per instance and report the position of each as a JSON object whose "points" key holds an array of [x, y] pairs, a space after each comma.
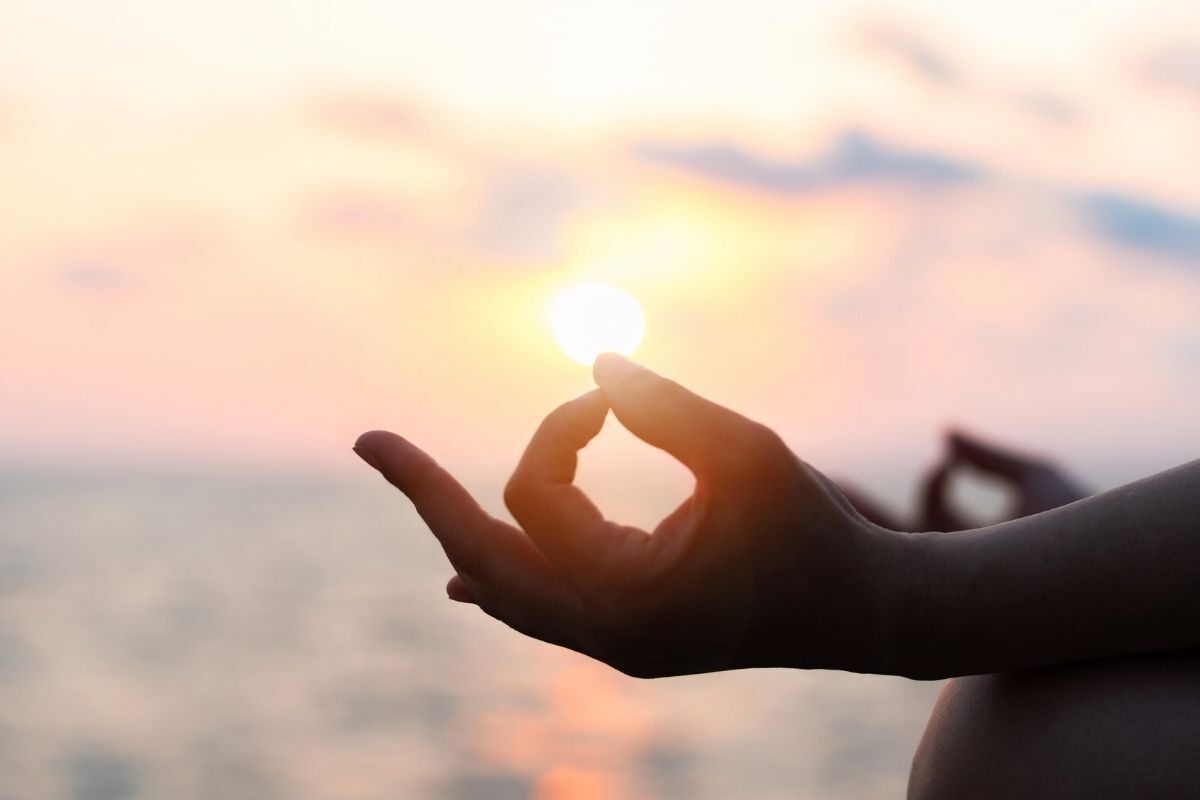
{"points": [[902, 591], [891, 595], [938, 577]]}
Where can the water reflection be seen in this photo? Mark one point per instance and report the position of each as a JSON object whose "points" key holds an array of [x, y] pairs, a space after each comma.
{"points": [[255, 638]]}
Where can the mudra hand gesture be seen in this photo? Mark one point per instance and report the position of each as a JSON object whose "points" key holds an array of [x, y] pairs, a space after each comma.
{"points": [[766, 564]]}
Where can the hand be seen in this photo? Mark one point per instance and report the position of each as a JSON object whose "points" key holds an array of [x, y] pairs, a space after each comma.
{"points": [[1038, 485], [766, 564]]}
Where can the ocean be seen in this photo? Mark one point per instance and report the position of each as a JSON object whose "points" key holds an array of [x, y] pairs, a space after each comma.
{"points": [[249, 637]]}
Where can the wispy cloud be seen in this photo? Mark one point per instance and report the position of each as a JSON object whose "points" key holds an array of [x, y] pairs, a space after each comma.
{"points": [[524, 209], [369, 115], [914, 54], [1048, 107], [1116, 218], [94, 276], [123, 259], [917, 54], [1138, 223], [1176, 64], [359, 214], [852, 157]]}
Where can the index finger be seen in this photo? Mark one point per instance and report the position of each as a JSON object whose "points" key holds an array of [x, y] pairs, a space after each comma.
{"points": [[557, 515]]}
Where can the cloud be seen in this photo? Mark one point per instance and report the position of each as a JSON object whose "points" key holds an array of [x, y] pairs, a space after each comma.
{"points": [[921, 57], [360, 214], [1047, 107], [1116, 218], [512, 210], [93, 276], [915, 53], [1133, 222], [369, 115], [524, 210], [120, 260], [854, 156], [1176, 65]]}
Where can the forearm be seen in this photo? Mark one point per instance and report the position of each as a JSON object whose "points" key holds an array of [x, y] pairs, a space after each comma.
{"points": [[1112, 574]]}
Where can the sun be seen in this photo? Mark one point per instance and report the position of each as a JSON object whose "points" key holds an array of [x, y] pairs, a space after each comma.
{"points": [[593, 318]]}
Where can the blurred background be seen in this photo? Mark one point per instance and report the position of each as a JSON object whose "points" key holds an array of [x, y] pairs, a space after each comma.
{"points": [[233, 236]]}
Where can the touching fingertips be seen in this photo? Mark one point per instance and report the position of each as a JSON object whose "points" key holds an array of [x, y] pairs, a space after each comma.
{"points": [[592, 400], [612, 367]]}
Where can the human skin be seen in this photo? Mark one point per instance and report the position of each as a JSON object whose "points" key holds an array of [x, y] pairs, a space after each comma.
{"points": [[1107, 728], [1113, 574], [1114, 728], [768, 564]]}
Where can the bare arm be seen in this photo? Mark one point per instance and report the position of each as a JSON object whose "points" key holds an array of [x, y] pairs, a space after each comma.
{"points": [[1117, 573]]}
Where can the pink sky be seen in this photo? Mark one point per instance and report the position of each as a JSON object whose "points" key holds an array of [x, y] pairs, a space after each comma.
{"points": [[251, 258]]}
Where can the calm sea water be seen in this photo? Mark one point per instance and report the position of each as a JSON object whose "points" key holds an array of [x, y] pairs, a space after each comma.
{"points": [[262, 638]]}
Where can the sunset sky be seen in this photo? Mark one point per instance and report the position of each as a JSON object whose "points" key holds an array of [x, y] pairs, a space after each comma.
{"points": [[241, 234]]}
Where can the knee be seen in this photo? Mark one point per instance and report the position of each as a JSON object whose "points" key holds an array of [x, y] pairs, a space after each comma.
{"points": [[959, 742], [1115, 728]]}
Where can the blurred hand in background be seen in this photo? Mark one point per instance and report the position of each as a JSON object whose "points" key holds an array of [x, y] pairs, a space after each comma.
{"points": [[1034, 483]]}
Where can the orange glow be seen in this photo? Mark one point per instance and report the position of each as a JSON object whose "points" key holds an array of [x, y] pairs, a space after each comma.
{"points": [[570, 783]]}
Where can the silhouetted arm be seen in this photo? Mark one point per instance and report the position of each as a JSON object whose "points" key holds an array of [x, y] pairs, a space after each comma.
{"points": [[1116, 573]]}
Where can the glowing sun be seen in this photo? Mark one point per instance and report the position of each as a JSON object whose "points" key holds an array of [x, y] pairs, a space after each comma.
{"points": [[593, 318]]}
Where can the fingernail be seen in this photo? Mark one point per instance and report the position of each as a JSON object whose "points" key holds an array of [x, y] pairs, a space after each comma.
{"points": [[366, 455], [611, 367]]}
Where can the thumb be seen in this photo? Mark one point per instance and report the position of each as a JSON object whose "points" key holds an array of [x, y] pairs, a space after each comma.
{"points": [[985, 456], [936, 513], [662, 413]]}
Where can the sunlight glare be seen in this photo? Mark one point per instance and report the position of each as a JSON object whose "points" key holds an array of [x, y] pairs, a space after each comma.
{"points": [[593, 318]]}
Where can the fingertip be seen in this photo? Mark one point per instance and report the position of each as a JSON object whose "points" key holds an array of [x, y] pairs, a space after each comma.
{"points": [[953, 436], [374, 437], [396, 458], [589, 396], [593, 401], [611, 368], [364, 449], [371, 446], [456, 590], [580, 418], [969, 447], [963, 438]]}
